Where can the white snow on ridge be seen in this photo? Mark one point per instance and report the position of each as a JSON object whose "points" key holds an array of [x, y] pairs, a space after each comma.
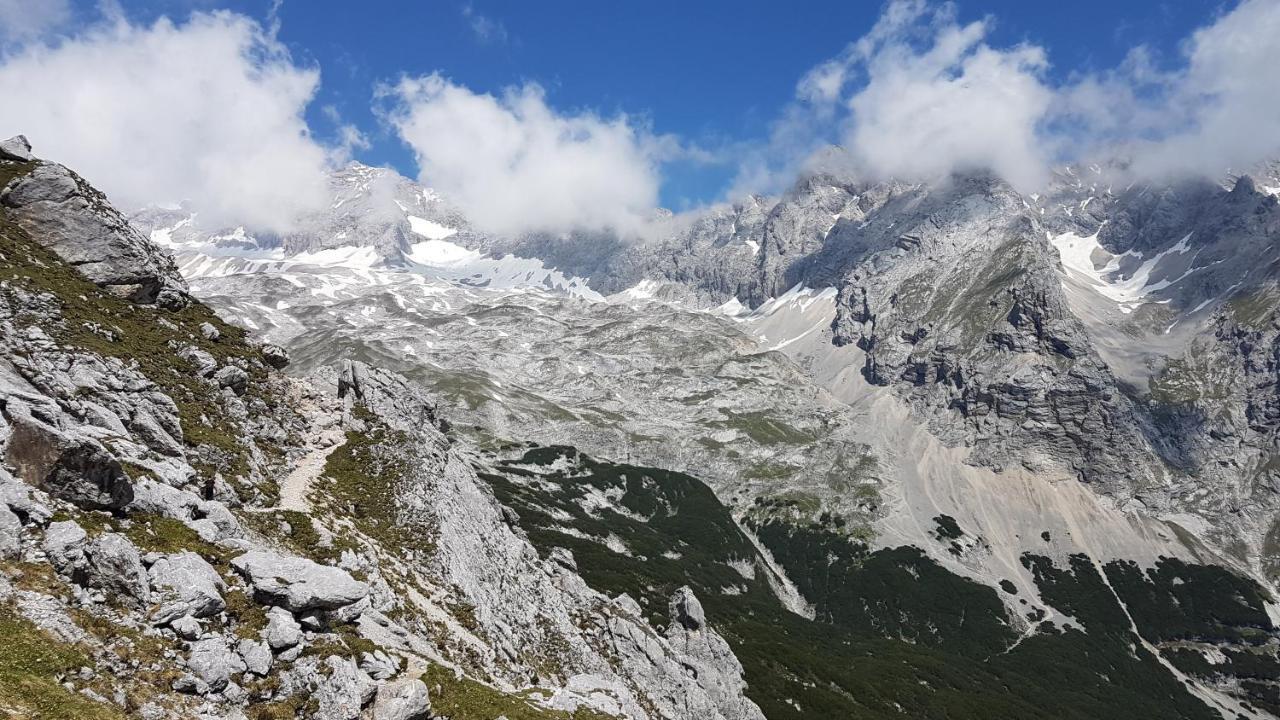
{"points": [[428, 229], [441, 253], [1077, 255]]}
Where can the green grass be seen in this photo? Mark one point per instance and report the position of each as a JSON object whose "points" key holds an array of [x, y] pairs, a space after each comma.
{"points": [[361, 481], [895, 634], [30, 666], [466, 699]]}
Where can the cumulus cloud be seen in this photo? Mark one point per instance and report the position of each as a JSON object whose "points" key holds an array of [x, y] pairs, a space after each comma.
{"points": [[22, 19], [513, 163], [922, 95], [209, 111], [1222, 110], [948, 103]]}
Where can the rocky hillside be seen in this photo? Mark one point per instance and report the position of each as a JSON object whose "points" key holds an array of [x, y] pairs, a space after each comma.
{"points": [[187, 532]]}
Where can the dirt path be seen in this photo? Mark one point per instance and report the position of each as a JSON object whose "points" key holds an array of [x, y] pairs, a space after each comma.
{"points": [[297, 485]]}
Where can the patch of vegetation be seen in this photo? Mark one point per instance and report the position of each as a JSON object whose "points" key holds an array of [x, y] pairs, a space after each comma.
{"points": [[466, 699], [894, 634], [763, 429], [948, 528], [155, 533], [361, 481], [1196, 378], [250, 616], [1178, 601], [31, 666], [1254, 308]]}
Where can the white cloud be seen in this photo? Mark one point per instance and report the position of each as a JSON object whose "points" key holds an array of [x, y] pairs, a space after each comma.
{"points": [[1223, 109], [515, 164], [948, 103], [922, 95], [23, 19], [208, 111], [486, 29]]}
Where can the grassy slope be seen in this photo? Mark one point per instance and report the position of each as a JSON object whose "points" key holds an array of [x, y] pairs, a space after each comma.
{"points": [[894, 632]]}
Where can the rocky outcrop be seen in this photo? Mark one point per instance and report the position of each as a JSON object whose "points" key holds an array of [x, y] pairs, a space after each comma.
{"points": [[298, 584], [405, 700], [64, 213], [67, 465], [161, 447], [16, 148]]}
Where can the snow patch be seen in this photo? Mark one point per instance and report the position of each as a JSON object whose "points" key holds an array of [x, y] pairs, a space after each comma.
{"points": [[428, 229]]}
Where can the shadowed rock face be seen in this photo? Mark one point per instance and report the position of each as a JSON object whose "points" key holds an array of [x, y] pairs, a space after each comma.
{"points": [[72, 468], [65, 214]]}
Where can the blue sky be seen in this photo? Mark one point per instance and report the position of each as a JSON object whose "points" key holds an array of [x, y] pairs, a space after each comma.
{"points": [[560, 115], [712, 72]]}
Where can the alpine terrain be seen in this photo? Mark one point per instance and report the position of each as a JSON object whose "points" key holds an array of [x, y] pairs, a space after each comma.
{"points": [[866, 448]]}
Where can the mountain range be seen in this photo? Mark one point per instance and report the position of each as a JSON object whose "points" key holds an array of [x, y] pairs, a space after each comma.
{"points": [[867, 448]]}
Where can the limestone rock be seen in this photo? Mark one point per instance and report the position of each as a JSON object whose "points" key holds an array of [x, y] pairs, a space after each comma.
{"points": [[213, 662], [64, 545], [298, 584], [344, 691], [16, 148], [186, 627], [402, 700], [256, 655], [203, 363], [114, 565], [232, 377], [187, 585], [275, 356], [10, 534], [71, 467], [63, 212], [282, 631]]}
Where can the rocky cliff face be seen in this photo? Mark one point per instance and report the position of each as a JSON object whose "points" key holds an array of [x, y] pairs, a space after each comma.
{"points": [[186, 532]]}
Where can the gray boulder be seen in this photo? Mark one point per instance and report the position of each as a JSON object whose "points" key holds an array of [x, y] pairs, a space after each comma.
{"points": [[16, 148], [203, 362], [256, 655], [10, 534], [275, 356], [109, 562], [344, 691], [17, 497], [686, 609], [210, 333], [66, 214], [114, 565], [70, 467], [379, 665], [298, 584], [64, 545], [186, 627], [213, 663], [282, 631], [186, 585], [403, 700], [232, 377]]}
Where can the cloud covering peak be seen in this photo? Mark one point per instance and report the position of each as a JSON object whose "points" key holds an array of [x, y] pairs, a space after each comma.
{"points": [[209, 111], [513, 163], [922, 95]]}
